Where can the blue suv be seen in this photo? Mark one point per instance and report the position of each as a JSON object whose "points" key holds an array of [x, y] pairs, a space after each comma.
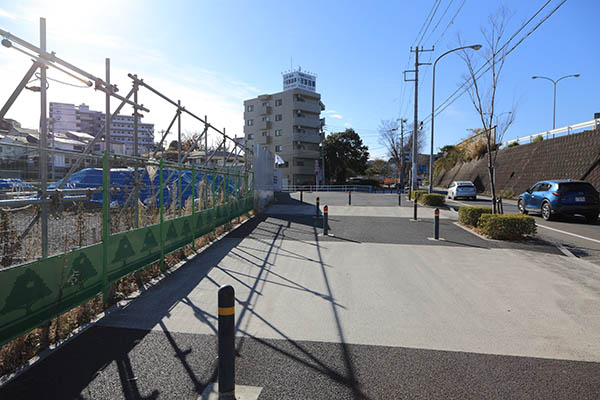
{"points": [[561, 197]]}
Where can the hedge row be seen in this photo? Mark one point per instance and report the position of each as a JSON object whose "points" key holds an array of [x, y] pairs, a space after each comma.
{"points": [[497, 226], [432, 199], [470, 215], [506, 226], [415, 194]]}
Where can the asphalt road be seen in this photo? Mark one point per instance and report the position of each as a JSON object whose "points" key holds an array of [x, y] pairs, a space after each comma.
{"points": [[376, 311], [581, 238]]}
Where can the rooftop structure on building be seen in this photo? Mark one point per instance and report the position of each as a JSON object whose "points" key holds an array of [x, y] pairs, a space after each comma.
{"points": [[296, 79], [65, 117], [289, 124]]}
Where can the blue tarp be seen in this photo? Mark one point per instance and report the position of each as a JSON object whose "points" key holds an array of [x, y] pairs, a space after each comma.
{"points": [[15, 184], [123, 179]]}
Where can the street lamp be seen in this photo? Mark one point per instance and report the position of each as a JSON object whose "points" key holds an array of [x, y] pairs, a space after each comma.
{"points": [[474, 47], [555, 82]]}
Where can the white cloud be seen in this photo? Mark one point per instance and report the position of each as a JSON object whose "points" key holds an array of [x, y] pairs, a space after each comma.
{"points": [[333, 114], [201, 91], [6, 14]]}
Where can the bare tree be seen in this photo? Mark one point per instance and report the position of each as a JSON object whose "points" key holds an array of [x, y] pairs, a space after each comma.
{"points": [[389, 137], [396, 144], [483, 87]]}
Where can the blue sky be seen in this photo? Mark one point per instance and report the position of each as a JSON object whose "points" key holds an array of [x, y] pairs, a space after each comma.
{"points": [[212, 55]]}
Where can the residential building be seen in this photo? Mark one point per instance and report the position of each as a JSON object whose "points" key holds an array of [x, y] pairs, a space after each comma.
{"points": [[289, 124], [219, 158], [66, 117]]}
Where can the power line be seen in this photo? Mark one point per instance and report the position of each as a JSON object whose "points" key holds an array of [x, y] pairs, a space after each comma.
{"points": [[439, 20], [436, 6], [462, 89], [450, 23], [428, 18]]}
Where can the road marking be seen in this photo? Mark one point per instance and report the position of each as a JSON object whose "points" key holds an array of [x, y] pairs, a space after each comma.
{"points": [[569, 233]]}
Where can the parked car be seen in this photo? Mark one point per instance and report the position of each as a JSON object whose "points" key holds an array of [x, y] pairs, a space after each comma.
{"points": [[462, 189], [566, 197]]}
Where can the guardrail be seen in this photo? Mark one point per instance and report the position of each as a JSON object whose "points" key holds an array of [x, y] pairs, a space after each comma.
{"points": [[328, 188], [551, 134]]}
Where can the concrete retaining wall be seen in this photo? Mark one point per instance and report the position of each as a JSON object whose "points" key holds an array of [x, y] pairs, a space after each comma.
{"points": [[519, 167]]}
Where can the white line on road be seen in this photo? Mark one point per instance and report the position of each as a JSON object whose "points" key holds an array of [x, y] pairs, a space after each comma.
{"points": [[569, 233]]}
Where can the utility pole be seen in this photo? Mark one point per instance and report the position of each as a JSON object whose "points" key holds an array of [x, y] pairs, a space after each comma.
{"points": [[43, 142], [416, 116], [402, 121]]}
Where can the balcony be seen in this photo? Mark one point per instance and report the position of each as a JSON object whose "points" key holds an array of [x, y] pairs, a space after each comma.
{"points": [[263, 125], [308, 106], [307, 137], [264, 139], [265, 110], [307, 169], [310, 154], [307, 122]]}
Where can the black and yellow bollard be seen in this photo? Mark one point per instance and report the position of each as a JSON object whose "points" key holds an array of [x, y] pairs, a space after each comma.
{"points": [[325, 215], [436, 224], [226, 343], [349, 198], [415, 209], [399, 198], [317, 210]]}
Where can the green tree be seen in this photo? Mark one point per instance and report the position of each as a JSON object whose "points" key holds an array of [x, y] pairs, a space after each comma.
{"points": [[378, 167], [173, 145], [345, 155]]}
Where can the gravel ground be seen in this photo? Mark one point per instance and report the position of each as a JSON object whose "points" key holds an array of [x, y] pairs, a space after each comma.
{"points": [[62, 230]]}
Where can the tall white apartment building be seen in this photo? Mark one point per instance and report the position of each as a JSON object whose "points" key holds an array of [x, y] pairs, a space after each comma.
{"points": [[288, 124], [66, 117]]}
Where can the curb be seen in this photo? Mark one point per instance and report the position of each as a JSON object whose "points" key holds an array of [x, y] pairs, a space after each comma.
{"points": [[42, 355], [475, 233]]}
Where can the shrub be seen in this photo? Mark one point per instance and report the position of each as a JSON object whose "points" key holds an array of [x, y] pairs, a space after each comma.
{"points": [[507, 194], [417, 193], [470, 215], [513, 144], [432, 199], [506, 226], [538, 138]]}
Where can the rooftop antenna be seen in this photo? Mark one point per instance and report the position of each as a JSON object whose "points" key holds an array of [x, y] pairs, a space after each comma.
{"points": [[291, 63]]}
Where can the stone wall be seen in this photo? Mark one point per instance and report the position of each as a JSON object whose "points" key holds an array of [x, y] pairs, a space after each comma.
{"points": [[519, 167]]}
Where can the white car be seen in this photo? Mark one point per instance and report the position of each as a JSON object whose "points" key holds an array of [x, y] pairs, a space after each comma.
{"points": [[464, 189]]}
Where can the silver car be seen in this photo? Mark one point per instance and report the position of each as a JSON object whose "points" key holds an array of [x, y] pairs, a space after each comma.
{"points": [[464, 189]]}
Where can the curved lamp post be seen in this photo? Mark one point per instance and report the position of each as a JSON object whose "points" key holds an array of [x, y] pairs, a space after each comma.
{"points": [[474, 47], [555, 82]]}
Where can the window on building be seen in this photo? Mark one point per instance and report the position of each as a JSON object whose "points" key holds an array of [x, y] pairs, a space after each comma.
{"points": [[250, 108], [250, 136], [266, 104], [278, 148], [278, 117], [278, 102], [300, 163], [265, 133], [277, 132], [250, 122], [266, 119]]}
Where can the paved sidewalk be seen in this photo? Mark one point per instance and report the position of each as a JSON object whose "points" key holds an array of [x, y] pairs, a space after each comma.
{"points": [[377, 311]]}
